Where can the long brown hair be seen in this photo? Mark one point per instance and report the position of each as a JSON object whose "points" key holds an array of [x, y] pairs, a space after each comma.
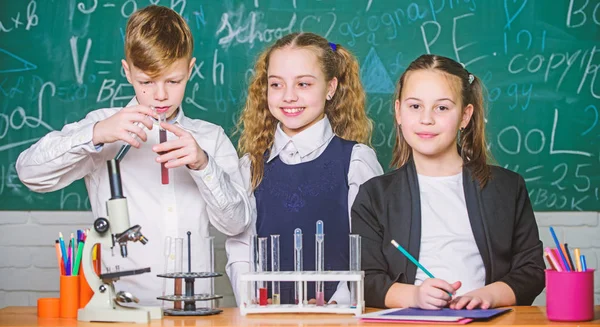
{"points": [[471, 144], [346, 110]]}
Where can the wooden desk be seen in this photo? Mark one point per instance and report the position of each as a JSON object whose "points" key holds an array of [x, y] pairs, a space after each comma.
{"points": [[520, 316]]}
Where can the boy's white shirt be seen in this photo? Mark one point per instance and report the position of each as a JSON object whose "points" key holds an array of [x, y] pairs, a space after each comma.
{"points": [[303, 147], [189, 202]]}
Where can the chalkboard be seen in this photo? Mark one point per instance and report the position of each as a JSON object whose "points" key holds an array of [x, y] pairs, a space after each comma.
{"points": [[539, 59]]}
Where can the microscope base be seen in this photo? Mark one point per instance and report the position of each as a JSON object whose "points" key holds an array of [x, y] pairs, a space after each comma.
{"points": [[140, 315]]}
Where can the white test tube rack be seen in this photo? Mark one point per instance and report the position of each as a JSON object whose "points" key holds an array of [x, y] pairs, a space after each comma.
{"points": [[249, 278]]}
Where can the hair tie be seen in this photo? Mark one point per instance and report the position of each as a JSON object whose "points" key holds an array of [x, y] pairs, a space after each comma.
{"points": [[471, 78], [333, 46]]}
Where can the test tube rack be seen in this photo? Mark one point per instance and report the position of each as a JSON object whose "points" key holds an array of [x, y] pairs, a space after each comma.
{"points": [[248, 279], [189, 298]]}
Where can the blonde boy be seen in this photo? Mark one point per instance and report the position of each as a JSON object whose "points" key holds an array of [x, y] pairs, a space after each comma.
{"points": [[205, 184]]}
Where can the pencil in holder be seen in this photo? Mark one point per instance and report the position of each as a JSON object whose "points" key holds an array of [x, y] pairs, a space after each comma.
{"points": [[69, 296], [570, 295]]}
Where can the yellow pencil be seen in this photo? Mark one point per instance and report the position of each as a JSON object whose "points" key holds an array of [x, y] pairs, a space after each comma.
{"points": [[577, 259]]}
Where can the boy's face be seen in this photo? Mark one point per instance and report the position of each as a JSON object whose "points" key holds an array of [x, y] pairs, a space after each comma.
{"points": [[165, 92]]}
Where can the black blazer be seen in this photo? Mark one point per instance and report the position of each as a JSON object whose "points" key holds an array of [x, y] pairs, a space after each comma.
{"points": [[388, 207]]}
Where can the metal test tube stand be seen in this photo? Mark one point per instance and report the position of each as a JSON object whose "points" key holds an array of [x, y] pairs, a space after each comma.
{"points": [[116, 230], [190, 298]]}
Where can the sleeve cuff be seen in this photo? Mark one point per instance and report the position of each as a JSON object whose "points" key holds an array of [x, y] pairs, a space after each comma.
{"points": [[208, 175], [82, 140], [342, 294]]}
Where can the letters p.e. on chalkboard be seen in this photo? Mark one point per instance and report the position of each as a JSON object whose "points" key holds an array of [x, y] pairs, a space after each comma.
{"points": [[539, 61]]}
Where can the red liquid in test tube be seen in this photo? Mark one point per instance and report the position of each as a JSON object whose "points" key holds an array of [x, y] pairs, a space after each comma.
{"points": [[262, 300], [262, 267], [164, 172], [320, 298]]}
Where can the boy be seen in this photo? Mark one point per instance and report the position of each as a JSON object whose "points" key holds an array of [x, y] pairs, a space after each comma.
{"points": [[205, 183]]}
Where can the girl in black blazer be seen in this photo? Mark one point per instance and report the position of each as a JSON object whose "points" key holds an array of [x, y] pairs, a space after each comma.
{"points": [[439, 110]]}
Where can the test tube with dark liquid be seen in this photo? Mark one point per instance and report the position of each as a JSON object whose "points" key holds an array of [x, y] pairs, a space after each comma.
{"points": [[178, 282], [162, 133], [262, 266]]}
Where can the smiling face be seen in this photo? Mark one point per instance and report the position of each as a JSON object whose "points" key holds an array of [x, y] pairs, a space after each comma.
{"points": [[297, 89], [430, 114], [164, 92]]}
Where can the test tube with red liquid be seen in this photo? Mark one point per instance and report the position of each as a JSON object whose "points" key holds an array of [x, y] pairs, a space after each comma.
{"points": [[162, 133], [262, 266]]}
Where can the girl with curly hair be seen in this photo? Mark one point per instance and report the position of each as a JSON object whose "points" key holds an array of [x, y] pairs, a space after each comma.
{"points": [[304, 145]]}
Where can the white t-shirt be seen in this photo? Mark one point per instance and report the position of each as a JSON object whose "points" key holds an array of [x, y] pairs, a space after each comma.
{"points": [[448, 249]]}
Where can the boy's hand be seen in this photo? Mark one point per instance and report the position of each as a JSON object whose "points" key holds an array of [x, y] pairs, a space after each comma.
{"points": [[124, 125], [433, 293], [183, 151]]}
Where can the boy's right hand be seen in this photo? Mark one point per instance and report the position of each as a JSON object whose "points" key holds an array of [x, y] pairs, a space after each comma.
{"points": [[433, 293], [122, 126]]}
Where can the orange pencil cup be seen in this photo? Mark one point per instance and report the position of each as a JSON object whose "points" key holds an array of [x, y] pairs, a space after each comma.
{"points": [[48, 307], [69, 296], [85, 292]]}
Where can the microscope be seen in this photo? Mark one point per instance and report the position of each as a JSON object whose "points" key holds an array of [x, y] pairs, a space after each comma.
{"points": [[106, 305]]}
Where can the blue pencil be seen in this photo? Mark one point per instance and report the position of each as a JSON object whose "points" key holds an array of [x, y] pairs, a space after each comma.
{"points": [[411, 258], [583, 265], [63, 249], [560, 252]]}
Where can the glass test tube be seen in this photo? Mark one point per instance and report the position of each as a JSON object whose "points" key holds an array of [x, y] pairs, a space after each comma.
{"points": [[178, 269], [275, 294], [211, 267], [167, 255], [299, 290], [355, 248], [254, 267], [262, 266], [320, 262], [162, 133]]}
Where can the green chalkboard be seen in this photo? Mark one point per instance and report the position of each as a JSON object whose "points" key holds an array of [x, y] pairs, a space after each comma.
{"points": [[539, 59]]}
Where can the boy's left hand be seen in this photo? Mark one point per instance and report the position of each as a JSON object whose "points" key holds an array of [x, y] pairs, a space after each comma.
{"points": [[183, 151], [479, 298]]}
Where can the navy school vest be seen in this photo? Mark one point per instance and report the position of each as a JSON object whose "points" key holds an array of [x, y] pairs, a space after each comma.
{"points": [[297, 196]]}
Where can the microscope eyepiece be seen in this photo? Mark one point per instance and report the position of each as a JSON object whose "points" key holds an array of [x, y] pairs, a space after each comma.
{"points": [[114, 177]]}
